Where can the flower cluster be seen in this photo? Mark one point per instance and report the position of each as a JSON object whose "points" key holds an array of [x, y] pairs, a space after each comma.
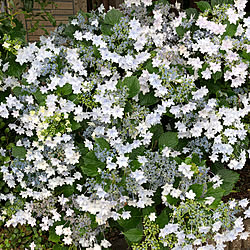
{"points": [[138, 116]]}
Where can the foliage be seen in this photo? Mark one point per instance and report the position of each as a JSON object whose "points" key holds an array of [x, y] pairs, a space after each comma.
{"points": [[26, 8]]}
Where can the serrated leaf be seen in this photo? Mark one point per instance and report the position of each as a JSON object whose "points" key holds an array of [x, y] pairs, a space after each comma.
{"points": [[230, 30], [217, 76], [150, 68], [229, 179], [75, 125], [203, 5], [89, 171], [96, 52], [66, 89], [17, 91], [19, 152], [51, 19], [128, 107], [59, 247], [134, 235], [217, 193], [70, 30], [102, 143], [180, 31], [148, 99], [135, 165], [148, 210], [133, 221], [15, 69], [163, 218], [171, 200], [106, 29], [196, 159], [136, 152], [213, 88], [112, 17], [53, 236], [66, 190], [197, 189], [39, 97], [245, 55], [83, 150], [191, 12], [91, 164], [157, 131], [168, 139], [133, 85]]}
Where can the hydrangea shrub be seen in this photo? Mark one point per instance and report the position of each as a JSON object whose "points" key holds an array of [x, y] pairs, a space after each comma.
{"points": [[138, 118]]}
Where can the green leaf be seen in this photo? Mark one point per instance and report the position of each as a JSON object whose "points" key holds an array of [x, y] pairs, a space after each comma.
{"points": [[19, 152], [17, 91], [203, 5], [148, 99], [74, 98], [39, 97], [197, 189], [59, 247], [96, 52], [163, 218], [217, 193], [215, 2], [102, 143], [133, 85], [230, 30], [196, 159], [148, 210], [112, 17], [53, 236], [150, 68], [245, 55], [75, 125], [66, 190], [51, 19], [192, 12], [134, 235], [133, 221], [83, 150], [157, 131], [89, 171], [134, 165], [70, 30], [66, 89], [180, 31], [28, 5], [213, 88], [171, 200], [128, 107], [106, 29], [15, 69], [217, 76], [91, 164], [136, 152], [168, 139], [229, 179]]}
